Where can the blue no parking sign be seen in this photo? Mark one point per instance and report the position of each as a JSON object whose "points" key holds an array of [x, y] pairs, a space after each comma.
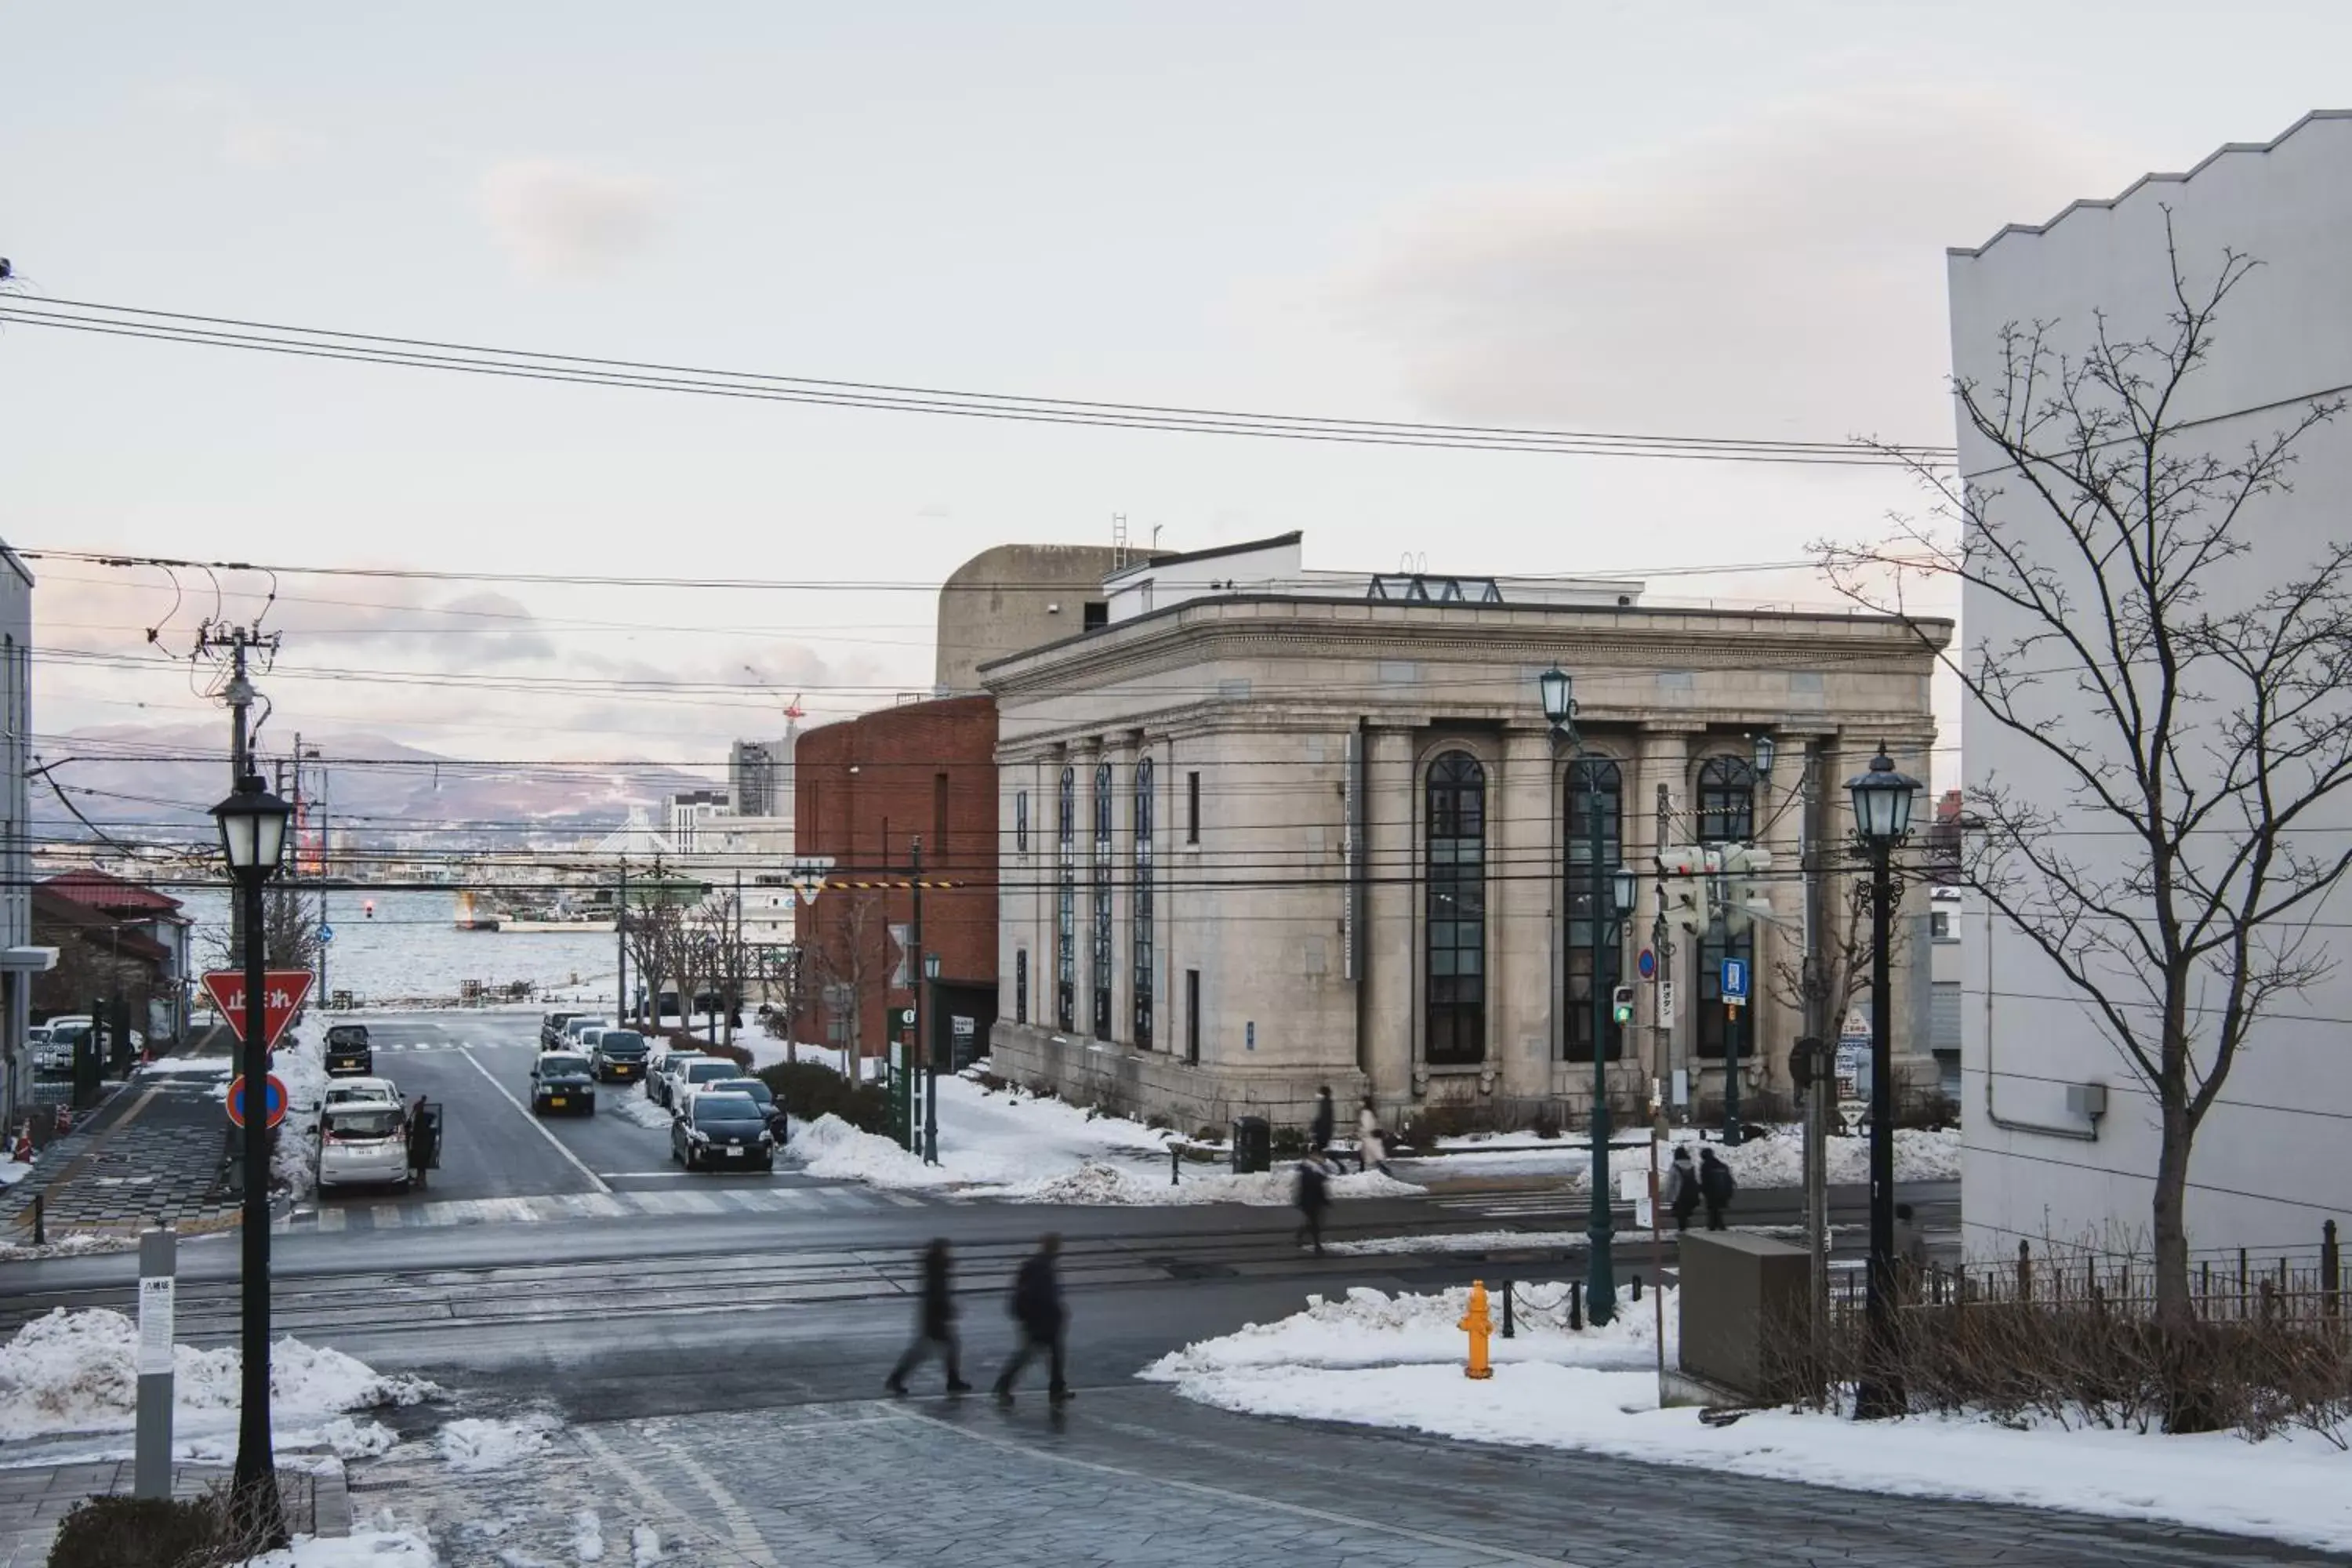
{"points": [[1735, 982]]}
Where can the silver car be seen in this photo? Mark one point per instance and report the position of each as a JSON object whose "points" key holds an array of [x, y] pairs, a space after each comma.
{"points": [[363, 1143]]}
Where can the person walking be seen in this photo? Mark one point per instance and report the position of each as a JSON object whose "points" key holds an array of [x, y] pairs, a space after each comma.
{"points": [[1037, 1308], [1682, 1187], [1326, 1123], [934, 1326], [1910, 1254], [1715, 1187], [420, 1141], [1314, 1197], [1371, 1144]]}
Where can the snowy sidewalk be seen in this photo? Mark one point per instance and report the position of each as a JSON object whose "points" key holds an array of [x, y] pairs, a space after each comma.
{"points": [[34, 1498]]}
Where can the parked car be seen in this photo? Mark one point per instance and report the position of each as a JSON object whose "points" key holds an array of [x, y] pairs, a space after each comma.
{"points": [[348, 1050], [722, 1130], [663, 1085], [559, 1081], [550, 1027], [771, 1109], [569, 1037], [618, 1056], [47, 1055], [363, 1142], [583, 1042], [657, 1061], [65, 1033], [363, 1091]]}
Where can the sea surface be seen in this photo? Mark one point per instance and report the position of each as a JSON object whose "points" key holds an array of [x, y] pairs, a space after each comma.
{"points": [[409, 947]]}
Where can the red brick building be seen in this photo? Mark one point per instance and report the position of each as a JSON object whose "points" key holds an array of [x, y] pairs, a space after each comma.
{"points": [[865, 792]]}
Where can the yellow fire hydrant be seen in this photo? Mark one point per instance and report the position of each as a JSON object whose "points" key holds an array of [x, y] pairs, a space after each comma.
{"points": [[1480, 1328]]}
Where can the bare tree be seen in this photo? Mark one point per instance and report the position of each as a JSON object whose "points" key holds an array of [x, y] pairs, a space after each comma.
{"points": [[856, 953], [652, 940], [787, 993], [2199, 732], [290, 925], [1824, 985]]}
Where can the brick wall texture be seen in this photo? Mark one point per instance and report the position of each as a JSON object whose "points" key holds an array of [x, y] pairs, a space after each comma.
{"points": [[863, 790]]}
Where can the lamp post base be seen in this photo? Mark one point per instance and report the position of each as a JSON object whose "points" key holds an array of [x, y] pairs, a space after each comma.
{"points": [[1601, 1275]]}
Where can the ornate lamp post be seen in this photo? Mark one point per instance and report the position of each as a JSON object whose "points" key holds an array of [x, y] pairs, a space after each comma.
{"points": [[1882, 815], [1558, 690], [253, 842]]}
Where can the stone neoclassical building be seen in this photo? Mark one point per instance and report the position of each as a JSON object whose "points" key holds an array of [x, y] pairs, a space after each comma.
{"points": [[1271, 828]]}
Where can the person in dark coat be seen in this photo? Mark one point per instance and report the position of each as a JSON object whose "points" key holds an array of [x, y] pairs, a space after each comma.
{"points": [[1314, 1197], [1037, 1308], [1327, 1121], [1682, 1187], [1714, 1186], [934, 1325], [421, 1133]]}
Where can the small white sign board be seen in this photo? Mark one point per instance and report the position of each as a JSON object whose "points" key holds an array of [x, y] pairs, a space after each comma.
{"points": [[156, 1296]]}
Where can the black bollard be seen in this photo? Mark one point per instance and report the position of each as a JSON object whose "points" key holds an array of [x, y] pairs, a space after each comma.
{"points": [[1175, 1158], [1510, 1329], [1576, 1304], [1637, 1287], [40, 1225]]}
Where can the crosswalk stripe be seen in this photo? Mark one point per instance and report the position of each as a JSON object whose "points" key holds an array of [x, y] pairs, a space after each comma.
{"points": [[333, 1219], [387, 1216], [903, 1200]]}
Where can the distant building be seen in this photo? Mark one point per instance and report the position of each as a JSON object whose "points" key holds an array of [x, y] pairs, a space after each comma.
{"points": [[688, 810], [122, 947], [759, 775], [1016, 597], [1269, 829], [867, 789]]}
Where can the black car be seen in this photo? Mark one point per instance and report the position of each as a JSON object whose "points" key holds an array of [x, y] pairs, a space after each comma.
{"points": [[771, 1109], [348, 1050], [618, 1056], [725, 1130], [559, 1081]]}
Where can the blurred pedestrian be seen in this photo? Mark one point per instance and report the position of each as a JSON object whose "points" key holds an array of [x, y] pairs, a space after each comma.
{"points": [[1682, 1187], [1037, 1308], [1314, 1197], [1910, 1253], [1715, 1187], [1371, 1144], [1326, 1123], [934, 1325], [421, 1132]]}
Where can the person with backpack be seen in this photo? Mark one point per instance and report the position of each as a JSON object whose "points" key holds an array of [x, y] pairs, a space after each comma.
{"points": [[1715, 1187], [1314, 1197], [934, 1325], [1682, 1187], [1037, 1307]]}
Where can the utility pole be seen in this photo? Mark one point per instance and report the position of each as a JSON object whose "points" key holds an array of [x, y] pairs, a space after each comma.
{"points": [[621, 942], [1819, 1028], [924, 1085], [730, 994], [237, 641]]}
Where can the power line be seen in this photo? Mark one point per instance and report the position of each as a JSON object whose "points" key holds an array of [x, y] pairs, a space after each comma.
{"points": [[270, 337]]}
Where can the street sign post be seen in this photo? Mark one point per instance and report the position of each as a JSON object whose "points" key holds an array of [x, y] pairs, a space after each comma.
{"points": [[1735, 982], [282, 993], [326, 933], [1669, 1005], [273, 1101], [1647, 964]]}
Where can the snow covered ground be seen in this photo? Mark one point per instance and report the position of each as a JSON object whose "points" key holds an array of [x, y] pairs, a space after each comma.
{"points": [[361, 1549], [1776, 1160], [73, 1374], [1381, 1361], [1016, 1146]]}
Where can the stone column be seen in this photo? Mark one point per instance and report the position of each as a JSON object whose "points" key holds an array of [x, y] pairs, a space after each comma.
{"points": [[1523, 913], [1388, 993]]}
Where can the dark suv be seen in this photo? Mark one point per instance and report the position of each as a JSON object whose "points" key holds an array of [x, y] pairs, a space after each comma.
{"points": [[618, 1056], [348, 1050], [551, 1028]]}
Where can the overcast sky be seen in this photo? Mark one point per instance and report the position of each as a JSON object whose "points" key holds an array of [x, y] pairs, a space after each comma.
{"points": [[1705, 218]]}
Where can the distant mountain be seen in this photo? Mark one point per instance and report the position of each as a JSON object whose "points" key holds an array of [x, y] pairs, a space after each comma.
{"points": [[379, 793]]}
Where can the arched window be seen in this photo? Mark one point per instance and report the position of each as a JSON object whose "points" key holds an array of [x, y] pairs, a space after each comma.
{"points": [[1726, 814], [1455, 941], [1102, 902], [1142, 922], [1595, 788], [1066, 915]]}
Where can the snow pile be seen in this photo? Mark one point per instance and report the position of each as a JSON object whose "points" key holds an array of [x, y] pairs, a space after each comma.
{"points": [[1396, 1361], [1369, 1328], [73, 1244], [361, 1549], [632, 1106], [77, 1372], [180, 1066], [1459, 1241], [831, 1148], [587, 1536], [1778, 1158], [474, 1446], [645, 1546]]}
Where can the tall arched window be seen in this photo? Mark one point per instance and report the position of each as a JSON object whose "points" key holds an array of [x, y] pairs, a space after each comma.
{"points": [[1726, 814], [1102, 945], [1066, 915], [1595, 787], [1455, 941], [1142, 922]]}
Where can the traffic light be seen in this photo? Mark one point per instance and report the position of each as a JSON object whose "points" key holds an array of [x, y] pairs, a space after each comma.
{"points": [[1805, 1061], [1682, 888], [1746, 896], [1622, 1000]]}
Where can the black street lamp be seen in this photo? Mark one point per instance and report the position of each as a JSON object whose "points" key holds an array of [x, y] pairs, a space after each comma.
{"points": [[253, 842], [1558, 690], [1882, 815]]}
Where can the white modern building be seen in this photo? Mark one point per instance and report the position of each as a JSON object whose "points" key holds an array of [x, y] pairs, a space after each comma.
{"points": [[19, 961], [2062, 1133], [1268, 828]]}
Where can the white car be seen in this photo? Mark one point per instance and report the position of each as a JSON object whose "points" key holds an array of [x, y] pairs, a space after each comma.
{"points": [[662, 1084], [56, 1054], [363, 1091], [47, 1056], [697, 1074], [363, 1142]]}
